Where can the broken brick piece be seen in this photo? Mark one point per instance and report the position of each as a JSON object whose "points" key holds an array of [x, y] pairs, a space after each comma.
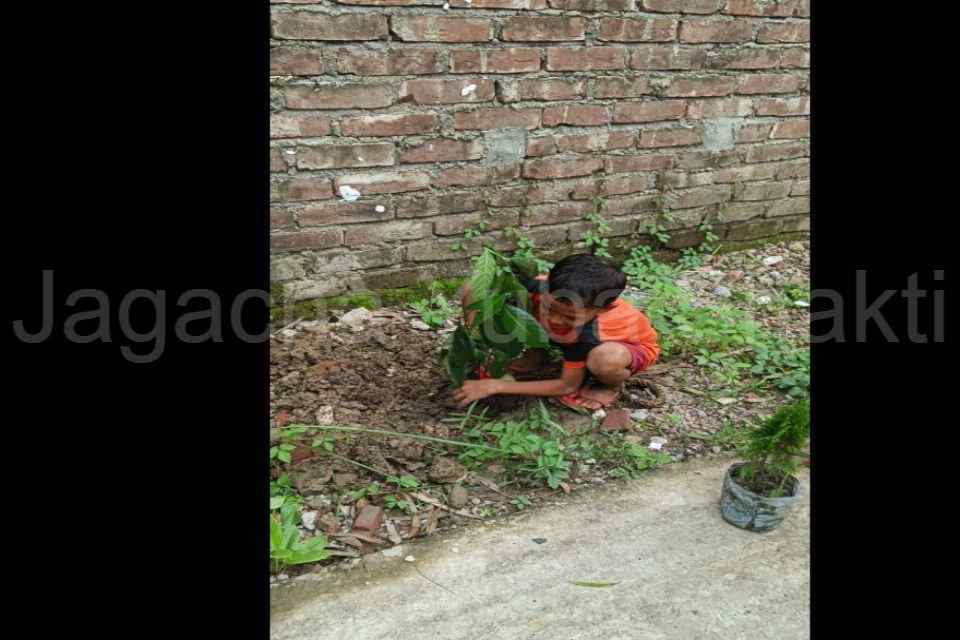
{"points": [[369, 519], [616, 420], [301, 453]]}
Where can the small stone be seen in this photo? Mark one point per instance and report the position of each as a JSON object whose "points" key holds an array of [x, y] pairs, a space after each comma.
{"points": [[355, 317], [616, 420], [726, 401], [446, 470], [765, 280], [393, 552], [714, 275], [717, 449], [475, 501], [801, 303], [458, 496], [764, 300], [288, 333], [722, 292], [309, 519], [797, 247], [657, 443], [600, 414], [772, 260], [640, 414], [734, 276], [282, 577], [325, 415], [420, 325], [539, 540], [776, 275], [409, 559]]}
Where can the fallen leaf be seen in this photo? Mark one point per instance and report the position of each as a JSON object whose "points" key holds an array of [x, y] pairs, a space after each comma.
{"points": [[414, 527], [432, 520], [282, 418], [565, 487], [726, 401], [392, 532]]}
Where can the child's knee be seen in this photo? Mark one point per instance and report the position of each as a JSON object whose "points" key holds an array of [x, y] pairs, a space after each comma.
{"points": [[609, 359]]}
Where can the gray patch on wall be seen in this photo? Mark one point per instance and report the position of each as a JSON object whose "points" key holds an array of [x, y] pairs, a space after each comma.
{"points": [[505, 146], [720, 133]]}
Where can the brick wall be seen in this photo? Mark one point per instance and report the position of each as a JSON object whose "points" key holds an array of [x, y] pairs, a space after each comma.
{"points": [[518, 113]]}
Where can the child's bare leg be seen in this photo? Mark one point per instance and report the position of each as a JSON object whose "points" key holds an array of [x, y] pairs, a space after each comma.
{"points": [[610, 364]]}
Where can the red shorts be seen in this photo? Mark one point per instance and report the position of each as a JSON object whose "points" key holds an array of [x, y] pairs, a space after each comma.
{"points": [[638, 361]]}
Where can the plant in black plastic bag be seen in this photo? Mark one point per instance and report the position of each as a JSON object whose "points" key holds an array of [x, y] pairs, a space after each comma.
{"points": [[773, 451]]}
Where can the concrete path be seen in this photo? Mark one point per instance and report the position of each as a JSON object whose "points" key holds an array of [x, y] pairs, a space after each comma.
{"points": [[683, 574]]}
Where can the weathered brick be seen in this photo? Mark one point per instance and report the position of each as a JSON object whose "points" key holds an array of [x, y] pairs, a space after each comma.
{"points": [[304, 240], [618, 87], [710, 86], [697, 197], [784, 106], [548, 236], [653, 111], [794, 169], [769, 83], [278, 161], [425, 206], [560, 167], [376, 183], [335, 156], [396, 278], [795, 58], [499, 4], [287, 60], [367, 234], [638, 29], [397, 62], [763, 190], [497, 118], [683, 6], [309, 25], [765, 8], [349, 96], [441, 29], [547, 89], [631, 205], [280, 218], [576, 115], [298, 125], [443, 150], [672, 137], [723, 108], [399, 125], [600, 141], [622, 185], [739, 211], [343, 213], [304, 188], [435, 91], [685, 180], [512, 60], [790, 206], [593, 5], [338, 261], [797, 128], [542, 146], [696, 160], [506, 197], [800, 188], [631, 164], [558, 190], [754, 132], [456, 224], [745, 58], [585, 58], [543, 28], [773, 32], [662, 57], [389, 3], [707, 30], [472, 176], [555, 213], [780, 151], [746, 173]]}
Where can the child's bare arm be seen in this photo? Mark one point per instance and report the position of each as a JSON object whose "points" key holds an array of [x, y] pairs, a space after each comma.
{"points": [[466, 299], [472, 390]]}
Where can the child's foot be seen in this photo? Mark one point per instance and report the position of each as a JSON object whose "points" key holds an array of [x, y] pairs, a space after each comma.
{"points": [[590, 398]]}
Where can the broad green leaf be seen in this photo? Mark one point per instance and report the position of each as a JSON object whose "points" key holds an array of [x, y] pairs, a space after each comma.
{"points": [[484, 273], [312, 555], [290, 535], [277, 502], [276, 533], [531, 333]]}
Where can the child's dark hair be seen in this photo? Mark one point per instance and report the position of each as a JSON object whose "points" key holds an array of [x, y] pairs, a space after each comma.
{"points": [[597, 282]]}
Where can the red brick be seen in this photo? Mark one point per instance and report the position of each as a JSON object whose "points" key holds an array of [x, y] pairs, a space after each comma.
{"points": [[619, 87], [280, 218], [696, 160], [295, 61], [794, 169], [399, 62], [377, 183], [765, 8], [309, 25], [558, 191], [781, 151], [399, 125], [795, 58], [499, 4], [601, 141], [638, 29], [683, 6], [343, 213], [784, 32], [727, 107], [543, 28], [628, 112], [457, 224], [747, 173], [370, 517], [435, 249], [631, 205], [754, 132], [631, 164], [585, 58], [684, 180], [424, 206], [739, 211], [335, 156], [661, 57], [298, 125], [672, 137], [799, 128], [387, 3], [700, 87], [305, 240], [790, 206], [367, 234], [800, 188], [472, 176], [512, 60], [498, 118], [784, 106], [305, 188], [542, 146], [349, 96], [627, 184], [769, 83], [555, 213], [441, 29], [745, 58], [435, 91], [560, 167], [576, 115], [697, 197], [763, 190], [706, 30], [510, 197], [278, 161], [443, 150], [593, 5], [547, 89]]}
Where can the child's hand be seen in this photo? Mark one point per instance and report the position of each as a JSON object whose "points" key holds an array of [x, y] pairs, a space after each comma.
{"points": [[473, 390]]}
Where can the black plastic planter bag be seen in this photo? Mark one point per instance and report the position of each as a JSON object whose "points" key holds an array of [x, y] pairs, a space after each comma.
{"points": [[745, 509]]}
